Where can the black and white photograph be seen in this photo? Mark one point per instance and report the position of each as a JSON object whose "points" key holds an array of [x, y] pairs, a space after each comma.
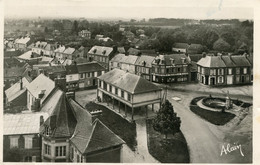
{"points": [[122, 81]]}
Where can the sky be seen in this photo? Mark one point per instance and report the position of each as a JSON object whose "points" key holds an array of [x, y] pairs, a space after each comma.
{"points": [[192, 9]]}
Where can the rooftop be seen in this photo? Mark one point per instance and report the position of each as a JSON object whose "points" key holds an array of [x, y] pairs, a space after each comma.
{"points": [[90, 67], [177, 59], [144, 58], [101, 50], [127, 59], [128, 81]]}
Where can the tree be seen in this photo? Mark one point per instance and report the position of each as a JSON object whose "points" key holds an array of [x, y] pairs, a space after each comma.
{"points": [[75, 28], [166, 121], [12, 155], [221, 45]]}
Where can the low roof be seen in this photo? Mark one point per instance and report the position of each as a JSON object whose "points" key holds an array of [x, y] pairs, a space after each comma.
{"points": [[69, 50], [27, 56], [211, 61], [15, 90], [90, 137], [39, 84], [71, 69], [22, 123], [101, 50], [128, 82], [144, 58], [90, 67]]}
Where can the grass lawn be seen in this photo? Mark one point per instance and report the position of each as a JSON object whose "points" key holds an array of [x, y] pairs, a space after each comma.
{"points": [[171, 150], [121, 127], [217, 118]]}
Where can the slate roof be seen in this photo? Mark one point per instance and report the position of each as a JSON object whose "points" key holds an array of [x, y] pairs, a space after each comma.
{"points": [[89, 137], [128, 81], [127, 59], [101, 50], [62, 121], [14, 72], [14, 91], [228, 61], [144, 58], [211, 61], [240, 60], [52, 69], [22, 123], [71, 69], [166, 59], [39, 84], [90, 67]]}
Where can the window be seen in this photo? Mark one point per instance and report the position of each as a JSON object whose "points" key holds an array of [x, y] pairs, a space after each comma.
{"points": [[184, 69], [129, 97], [116, 91], [82, 75], [110, 88], [229, 70], [27, 142], [105, 86], [82, 158], [47, 149], [245, 70], [13, 142], [237, 79], [122, 93], [220, 79], [71, 153], [162, 70], [47, 131], [167, 70], [60, 151], [212, 71], [198, 68], [156, 70], [220, 71], [203, 70], [77, 157], [178, 70], [237, 70], [99, 83]]}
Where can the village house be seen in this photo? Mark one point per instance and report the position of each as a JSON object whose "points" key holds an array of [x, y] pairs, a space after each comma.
{"points": [[144, 67], [187, 48], [70, 53], [72, 77], [16, 95], [38, 47], [30, 57], [53, 72], [85, 34], [88, 73], [171, 68], [22, 43], [38, 91], [225, 70], [58, 52], [83, 52], [130, 90], [21, 135], [101, 54], [129, 35], [124, 62]]}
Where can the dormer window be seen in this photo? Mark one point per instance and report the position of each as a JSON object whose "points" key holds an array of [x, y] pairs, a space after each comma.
{"points": [[95, 50], [104, 52], [47, 131], [183, 60]]}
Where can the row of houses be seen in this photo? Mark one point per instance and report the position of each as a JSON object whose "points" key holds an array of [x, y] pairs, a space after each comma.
{"points": [[55, 128]]}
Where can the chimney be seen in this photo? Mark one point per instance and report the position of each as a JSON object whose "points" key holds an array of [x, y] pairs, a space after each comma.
{"points": [[41, 120], [41, 94], [183, 60], [21, 84]]}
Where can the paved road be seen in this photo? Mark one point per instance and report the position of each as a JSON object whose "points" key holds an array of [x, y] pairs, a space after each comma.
{"points": [[204, 139]]}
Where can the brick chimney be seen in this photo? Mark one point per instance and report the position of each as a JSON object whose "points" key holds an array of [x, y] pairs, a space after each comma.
{"points": [[41, 120], [21, 84], [95, 114]]}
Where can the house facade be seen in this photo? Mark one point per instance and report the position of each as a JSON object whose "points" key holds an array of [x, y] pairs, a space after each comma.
{"points": [[124, 62], [85, 34], [144, 67], [22, 43], [225, 70], [171, 68], [88, 73], [72, 77]]}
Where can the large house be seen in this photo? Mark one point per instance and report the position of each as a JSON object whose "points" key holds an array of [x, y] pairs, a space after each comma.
{"points": [[171, 68], [101, 54], [88, 73], [58, 52], [225, 70], [70, 53], [22, 43], [124, 62], [72, 77], [85, 34], [144, 66], [43, 48], [127, 89]]}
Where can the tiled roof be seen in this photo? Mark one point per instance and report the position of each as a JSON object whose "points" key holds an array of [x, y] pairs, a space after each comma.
{"points": [[62, 121], [15, 90], [22, 123], [144, 58], [127, 59], [228, 61], [101, 50], [88, 136], [90, 67], [240, 60], [211, 61], [176, 58], [41, 83], [128, 81], [69, 50], [23, 40], [27, 56], [71, 69]]}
